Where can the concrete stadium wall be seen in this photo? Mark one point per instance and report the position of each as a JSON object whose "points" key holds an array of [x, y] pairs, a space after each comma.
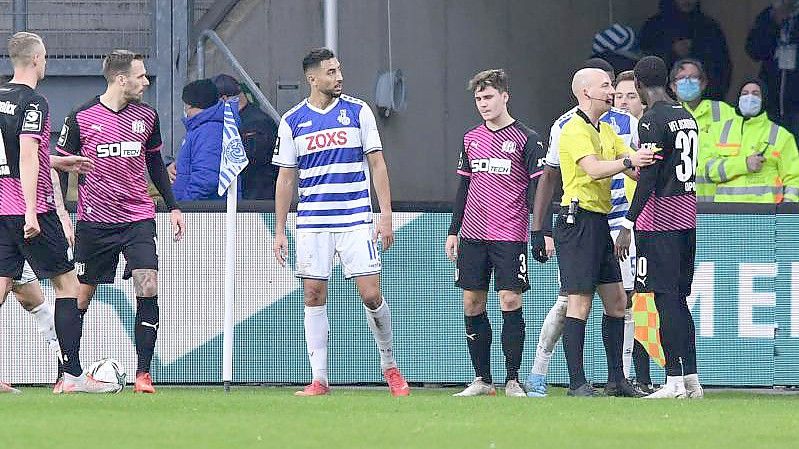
{"points": [[439, 44]]}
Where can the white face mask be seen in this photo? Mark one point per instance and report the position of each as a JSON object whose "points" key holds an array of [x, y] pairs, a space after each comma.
{"points": [[750, 105]]}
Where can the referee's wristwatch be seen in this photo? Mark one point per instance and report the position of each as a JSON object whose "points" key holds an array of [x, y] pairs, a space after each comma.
{"points": [[628, 163]]}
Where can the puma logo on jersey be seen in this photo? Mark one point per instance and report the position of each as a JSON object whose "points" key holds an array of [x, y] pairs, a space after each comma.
{"points": [[645, 125]]}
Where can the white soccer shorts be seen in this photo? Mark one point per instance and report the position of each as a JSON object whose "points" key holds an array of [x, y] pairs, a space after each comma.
{"points": [[356, 251], [27, 277], [627, 266]]}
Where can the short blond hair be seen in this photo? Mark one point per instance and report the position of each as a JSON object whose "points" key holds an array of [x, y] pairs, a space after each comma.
{"points": [[22, 46], [496, 78]]}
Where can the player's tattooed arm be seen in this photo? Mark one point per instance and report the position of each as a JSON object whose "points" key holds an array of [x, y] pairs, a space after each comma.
{"points": [[61, 210]]}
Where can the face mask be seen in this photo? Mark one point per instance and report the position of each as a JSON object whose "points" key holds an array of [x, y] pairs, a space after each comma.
{"points": [[688, 89], [750, 105]]}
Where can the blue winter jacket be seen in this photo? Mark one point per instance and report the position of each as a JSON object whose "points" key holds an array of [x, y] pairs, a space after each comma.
{"points": [[198, 160]]}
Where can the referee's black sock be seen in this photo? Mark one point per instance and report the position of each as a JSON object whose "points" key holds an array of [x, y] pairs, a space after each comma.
{"points": [[613, 338], [513, 342], [478, 337], [67, 328], [573, 343], [146, 331]]}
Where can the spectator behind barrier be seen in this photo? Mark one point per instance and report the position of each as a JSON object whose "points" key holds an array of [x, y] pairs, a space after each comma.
{"points": [[259, 133], [689, 81], [755, 160], [773, 41], [197, 163], [680, 30], [617, 45]]}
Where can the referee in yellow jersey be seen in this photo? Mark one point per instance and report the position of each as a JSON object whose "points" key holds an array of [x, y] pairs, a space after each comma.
{"points": [[590, 154]]}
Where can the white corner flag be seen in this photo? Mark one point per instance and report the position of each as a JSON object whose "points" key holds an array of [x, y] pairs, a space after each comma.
{"points": [[234, 159]]}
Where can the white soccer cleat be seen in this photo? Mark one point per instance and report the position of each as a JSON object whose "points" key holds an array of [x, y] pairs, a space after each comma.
{"points": [[673, 389], [514, 390], [7, 388], [693, 388], [478, 388], [85, 383]]}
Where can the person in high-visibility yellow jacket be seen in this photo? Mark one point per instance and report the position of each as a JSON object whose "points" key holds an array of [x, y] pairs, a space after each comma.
{"points": [[755, 160], [689, 81]]}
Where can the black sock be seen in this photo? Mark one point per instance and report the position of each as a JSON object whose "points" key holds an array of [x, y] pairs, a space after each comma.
{"points": [[573, 343], [513, 342], [673, 332], [613, 338], [478, 337], [689, 361], [67, 328], [146, 331], [641, 361]]}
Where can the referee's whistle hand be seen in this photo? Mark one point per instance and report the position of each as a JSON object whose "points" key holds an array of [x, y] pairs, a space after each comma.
{"points": [[642, 157], [451, 247]]}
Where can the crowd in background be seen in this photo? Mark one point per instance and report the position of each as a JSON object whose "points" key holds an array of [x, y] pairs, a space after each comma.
{"points": [[747, 150]]}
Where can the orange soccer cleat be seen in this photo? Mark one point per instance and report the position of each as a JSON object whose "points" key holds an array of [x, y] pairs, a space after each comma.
{"points": [[396, 383], [144, 383]]}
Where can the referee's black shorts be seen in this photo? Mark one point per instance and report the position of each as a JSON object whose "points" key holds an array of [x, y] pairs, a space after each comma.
{"points": [[585, 252], [665, 261]]}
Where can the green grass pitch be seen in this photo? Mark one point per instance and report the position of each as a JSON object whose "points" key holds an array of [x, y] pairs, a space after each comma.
{"points": [[252, 417]]}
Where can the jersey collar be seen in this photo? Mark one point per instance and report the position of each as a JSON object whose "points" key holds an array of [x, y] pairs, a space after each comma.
{"points": [[322, 111], [584, 116]]}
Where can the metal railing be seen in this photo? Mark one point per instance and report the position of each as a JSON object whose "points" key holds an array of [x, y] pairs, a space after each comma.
{"points": [[81, 30], [207, 35]]}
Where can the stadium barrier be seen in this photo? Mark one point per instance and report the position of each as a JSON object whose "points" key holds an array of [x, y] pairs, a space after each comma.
{"points": [[745, 303]]}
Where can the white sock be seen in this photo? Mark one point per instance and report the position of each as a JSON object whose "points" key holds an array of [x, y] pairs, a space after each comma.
{"points": [[629, 340], [551, 330], [672, 381], [380, 324], [43, 314], [316, 329], [691, 380]]}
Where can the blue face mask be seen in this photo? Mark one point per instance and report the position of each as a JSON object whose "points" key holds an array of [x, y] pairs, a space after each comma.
{"points": [[750, 105], [688, 89]]}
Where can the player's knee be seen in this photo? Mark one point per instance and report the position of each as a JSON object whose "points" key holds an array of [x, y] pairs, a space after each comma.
{"points": [[65, 285], [145, 283], [315, 295], [371, 297], [510, 300], [473, 303]]}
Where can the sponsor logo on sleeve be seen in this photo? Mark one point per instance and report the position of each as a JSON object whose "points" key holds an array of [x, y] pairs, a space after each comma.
{"points": [[32, 121]]}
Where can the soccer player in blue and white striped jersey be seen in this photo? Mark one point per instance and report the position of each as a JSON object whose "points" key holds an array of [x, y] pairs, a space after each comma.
{"points": [[331, 141]]}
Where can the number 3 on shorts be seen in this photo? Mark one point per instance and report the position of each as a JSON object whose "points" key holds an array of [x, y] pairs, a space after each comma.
{"points": [[522, 267]]}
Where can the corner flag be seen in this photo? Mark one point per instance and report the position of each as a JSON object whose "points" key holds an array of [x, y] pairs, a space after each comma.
{"points": [[234, 159]]}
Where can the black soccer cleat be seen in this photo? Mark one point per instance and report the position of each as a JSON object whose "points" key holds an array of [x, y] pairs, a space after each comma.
{"points": [[583, 391], [623, 389]]}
